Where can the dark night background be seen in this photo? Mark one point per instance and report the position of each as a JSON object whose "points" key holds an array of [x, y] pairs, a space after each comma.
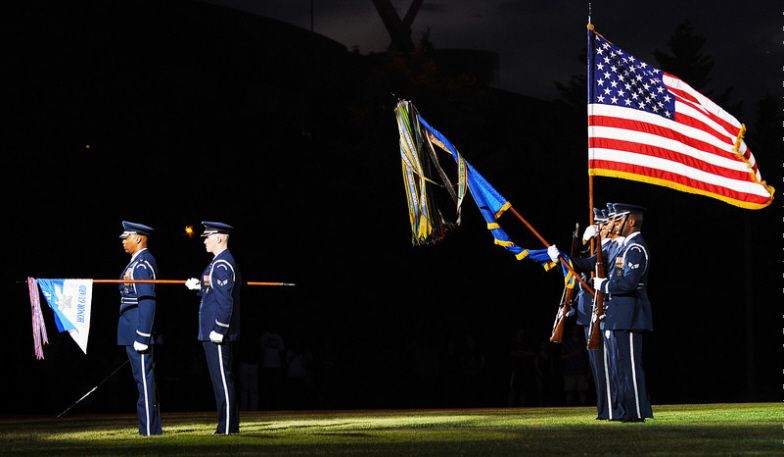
{"points": [[169, 113]]}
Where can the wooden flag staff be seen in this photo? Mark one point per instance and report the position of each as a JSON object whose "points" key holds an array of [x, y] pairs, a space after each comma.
{"points": [[182, 281], [564, 262]]}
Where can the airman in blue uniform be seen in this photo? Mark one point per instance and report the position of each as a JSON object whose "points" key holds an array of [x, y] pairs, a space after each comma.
{"points": [[627, 316], [136, 324], [583, 318], [219, 321], [606, 229]]}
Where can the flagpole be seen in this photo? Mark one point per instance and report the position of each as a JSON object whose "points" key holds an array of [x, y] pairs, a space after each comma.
{"points": [[182, 281], [589, 91], [564, 262]]}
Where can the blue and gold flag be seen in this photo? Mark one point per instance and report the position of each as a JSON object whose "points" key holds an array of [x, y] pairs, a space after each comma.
{"points": [[419, 162], [490, 202]]}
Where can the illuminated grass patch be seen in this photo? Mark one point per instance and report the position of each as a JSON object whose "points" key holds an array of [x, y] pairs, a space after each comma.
{"points": [[682, 430]]}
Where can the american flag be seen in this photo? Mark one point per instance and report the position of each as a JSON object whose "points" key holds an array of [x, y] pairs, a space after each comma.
{"points": [[650, 126]]}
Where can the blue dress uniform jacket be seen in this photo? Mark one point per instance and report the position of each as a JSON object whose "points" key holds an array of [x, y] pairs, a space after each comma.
{"points": [[137, 323], [584, 309], [610, 250], [219, 310], [628, 314], [137, 301], [627, 304]]}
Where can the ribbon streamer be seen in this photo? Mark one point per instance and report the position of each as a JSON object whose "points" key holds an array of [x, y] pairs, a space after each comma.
{"points": [[39, 327]]}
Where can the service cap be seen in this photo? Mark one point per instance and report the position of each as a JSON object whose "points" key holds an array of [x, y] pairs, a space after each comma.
{"points": [[135, 228], [212, 227]]}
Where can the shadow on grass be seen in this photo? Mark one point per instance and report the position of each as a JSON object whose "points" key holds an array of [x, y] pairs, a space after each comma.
{"points": [[632, 440], [683, 430]]}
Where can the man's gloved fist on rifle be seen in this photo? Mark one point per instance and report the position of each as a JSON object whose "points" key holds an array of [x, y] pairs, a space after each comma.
{"points": [[590, 232]]}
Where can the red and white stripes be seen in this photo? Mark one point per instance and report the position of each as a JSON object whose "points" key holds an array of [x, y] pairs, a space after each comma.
{"points": [[699, 149]]}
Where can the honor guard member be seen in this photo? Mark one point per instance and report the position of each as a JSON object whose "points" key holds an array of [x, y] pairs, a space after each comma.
{"points": [[628, 315], [613, 231], [136, 324], [605, 227], [585, 311], [219, 321]]}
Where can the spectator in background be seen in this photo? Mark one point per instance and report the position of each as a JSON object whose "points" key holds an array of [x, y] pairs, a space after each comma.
{"points": [[523, 369], [472, 363], [449, 370], [299, 375], [272, 357], [249, 377], [545, 374], [574, 367]]}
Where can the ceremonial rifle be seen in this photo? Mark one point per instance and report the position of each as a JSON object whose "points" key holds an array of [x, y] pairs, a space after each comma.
{"points": [[564, 308], [597, 314], [93, 389]]}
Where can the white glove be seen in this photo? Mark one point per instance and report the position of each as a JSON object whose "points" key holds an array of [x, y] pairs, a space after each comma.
{"points": [[139, 347], [553, 252], [216, 337], [589, 233], [193, 284], [597, 283]]}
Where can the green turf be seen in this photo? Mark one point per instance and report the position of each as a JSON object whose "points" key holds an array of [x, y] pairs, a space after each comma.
{"points": [[677, 430]]}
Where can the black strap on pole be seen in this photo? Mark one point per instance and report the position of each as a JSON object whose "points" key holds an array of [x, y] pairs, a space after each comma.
{"points": [[93, 389]]}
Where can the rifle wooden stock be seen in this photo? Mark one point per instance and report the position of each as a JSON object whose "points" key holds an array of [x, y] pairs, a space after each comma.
{"points": [[595, 332], [566, 297], [560, 317]]}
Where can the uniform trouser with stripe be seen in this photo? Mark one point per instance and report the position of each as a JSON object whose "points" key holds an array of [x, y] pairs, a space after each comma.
{"points": [[147, 410], [629, 395], [598, 369], [219, 360]]}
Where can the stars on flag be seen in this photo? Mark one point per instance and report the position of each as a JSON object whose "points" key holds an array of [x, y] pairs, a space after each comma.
{"points": [[623, 80]]}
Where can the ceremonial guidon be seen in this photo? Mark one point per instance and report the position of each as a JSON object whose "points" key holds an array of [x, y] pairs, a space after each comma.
{"points": [[136, 323], [219, 320], [627, 316]]}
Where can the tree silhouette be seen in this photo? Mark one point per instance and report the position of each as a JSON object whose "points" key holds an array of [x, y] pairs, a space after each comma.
{"points": [[574, 92], [686, 59]]}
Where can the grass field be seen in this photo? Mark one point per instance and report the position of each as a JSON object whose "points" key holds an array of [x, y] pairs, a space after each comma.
{"points": [[678, 430]]}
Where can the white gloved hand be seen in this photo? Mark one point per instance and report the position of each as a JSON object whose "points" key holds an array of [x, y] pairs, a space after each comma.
{"points": [[139, 347], [193, 284], [597, 283], [589, 233], [216, 337], [553, 252]]}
